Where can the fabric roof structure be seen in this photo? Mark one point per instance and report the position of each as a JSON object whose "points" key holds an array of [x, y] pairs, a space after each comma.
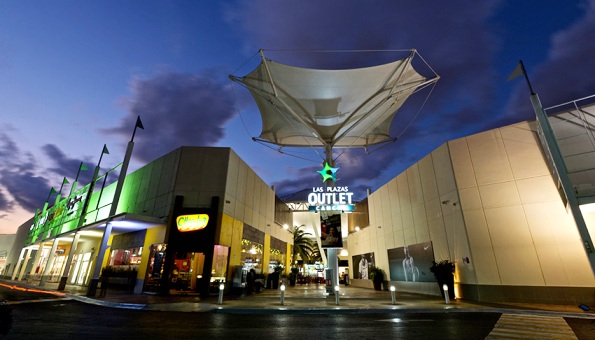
{"points": [[303, 107]]}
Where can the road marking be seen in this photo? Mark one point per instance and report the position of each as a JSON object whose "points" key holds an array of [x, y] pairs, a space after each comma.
{"points": [[513, 326], [397, 320]]}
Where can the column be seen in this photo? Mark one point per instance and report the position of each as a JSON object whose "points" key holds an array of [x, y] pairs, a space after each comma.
{"points": [[49, 263], [71, 252], [16, 267], [25, 261]]}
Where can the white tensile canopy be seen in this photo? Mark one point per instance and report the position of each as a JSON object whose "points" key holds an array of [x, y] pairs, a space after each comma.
{"points": [[330, 108]]}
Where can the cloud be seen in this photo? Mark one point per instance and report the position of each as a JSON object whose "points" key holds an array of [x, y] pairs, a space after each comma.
{"points": [[64, 166], [176, 109], [565, 75], [17, 178]]}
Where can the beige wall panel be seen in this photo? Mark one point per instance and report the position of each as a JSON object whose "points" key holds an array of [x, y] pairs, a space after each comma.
{"points": [[538, 189], [523, 132], [393, 194], [250, 190], [256, 196], [513, 246], [399, 238], [443, 169], [470, 199], [525, 159], [233, 173], [420, 223], [249, 216], [416, 195], [558, 245], [433, 208], [240, 211], [409, 234], [461, 163], [465, 271], [489, 158], [482, 252], [386, 217], [242, 182], [438, 237], [374, 204], [389, 240], [403, 190], [428, 178], [499, 195], [380, 254], [229, 208]]}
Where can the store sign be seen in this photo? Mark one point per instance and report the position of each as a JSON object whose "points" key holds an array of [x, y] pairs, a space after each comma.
{"points": [[330, 198], [192, 222]]}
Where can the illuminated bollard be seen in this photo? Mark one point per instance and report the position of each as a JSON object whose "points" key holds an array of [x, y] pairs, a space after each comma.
{"points": [[337, 295], [393, 292], [221, 288], [282, 294], [445, 289]]}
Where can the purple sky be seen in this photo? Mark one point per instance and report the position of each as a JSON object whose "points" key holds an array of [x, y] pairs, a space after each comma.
{"points": [[75, 75]]}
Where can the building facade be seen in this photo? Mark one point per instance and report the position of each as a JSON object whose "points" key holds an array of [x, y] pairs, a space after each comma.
{"points": [[186, 222], [489, 203], [199, 217]]}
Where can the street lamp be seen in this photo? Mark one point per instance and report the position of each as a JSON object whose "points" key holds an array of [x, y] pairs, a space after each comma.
{"points": [[282, 294], [445, 289], [393, 293], [221, 288], [337, 295]]}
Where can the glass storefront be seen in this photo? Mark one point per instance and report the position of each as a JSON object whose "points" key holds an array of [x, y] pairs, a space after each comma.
{"points": [[251, 255], [188, 271], [155, 268], [276, 260]]}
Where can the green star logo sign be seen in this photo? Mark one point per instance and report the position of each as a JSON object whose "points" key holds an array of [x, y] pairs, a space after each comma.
{"points": [[328, 173]]}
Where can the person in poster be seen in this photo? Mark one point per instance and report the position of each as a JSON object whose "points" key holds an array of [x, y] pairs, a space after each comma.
{"points": [[409, 267], [330, 230], [363, 267]]}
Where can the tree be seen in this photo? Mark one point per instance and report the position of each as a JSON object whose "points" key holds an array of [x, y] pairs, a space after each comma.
{"points": [[302, 245]]}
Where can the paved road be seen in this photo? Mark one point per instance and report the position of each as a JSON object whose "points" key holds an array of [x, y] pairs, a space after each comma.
{"points": [[35, 315]]}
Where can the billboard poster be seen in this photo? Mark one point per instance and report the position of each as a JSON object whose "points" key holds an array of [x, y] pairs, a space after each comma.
{"points": [[361, 264], [411, 263], [330, 229]]}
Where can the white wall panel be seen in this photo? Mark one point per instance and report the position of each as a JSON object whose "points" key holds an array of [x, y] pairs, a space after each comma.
{"points": [[489, 158], [512, 241]]}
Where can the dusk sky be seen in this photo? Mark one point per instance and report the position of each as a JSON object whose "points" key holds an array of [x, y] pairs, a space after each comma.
{"points": [[74, 75]]}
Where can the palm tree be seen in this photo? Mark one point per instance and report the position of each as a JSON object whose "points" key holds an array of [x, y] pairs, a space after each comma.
{"points": [[302, 245], [315, 255]]}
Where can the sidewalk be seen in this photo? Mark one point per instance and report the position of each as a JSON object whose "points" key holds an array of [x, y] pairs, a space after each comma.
{"points": [[306, 299]]}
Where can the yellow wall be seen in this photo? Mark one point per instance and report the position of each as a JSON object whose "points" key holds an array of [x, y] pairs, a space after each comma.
{"points": [[288, 263], [153, 236], [266, 253], [231, 236]]}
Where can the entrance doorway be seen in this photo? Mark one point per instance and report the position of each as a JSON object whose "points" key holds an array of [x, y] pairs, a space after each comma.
{"points": [[187, 272]]}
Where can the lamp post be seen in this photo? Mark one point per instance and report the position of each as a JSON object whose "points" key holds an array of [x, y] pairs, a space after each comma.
{"points": [[392, 294], [445, 289], [337, 295], [282, 294], [221, 289]]}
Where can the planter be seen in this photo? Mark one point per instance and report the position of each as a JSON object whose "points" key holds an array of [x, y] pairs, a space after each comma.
{"points": [[444, 274], [377, 285]]}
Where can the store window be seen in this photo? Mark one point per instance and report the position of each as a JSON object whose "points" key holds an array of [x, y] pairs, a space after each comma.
{"points": [[277, 259], [251, 255], [125, 257]]}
